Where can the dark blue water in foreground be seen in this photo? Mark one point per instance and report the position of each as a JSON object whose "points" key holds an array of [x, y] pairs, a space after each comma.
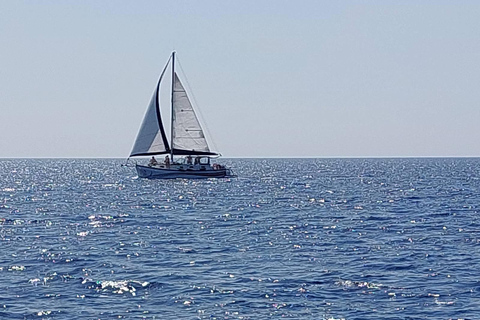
{"points": [[299, 239]]}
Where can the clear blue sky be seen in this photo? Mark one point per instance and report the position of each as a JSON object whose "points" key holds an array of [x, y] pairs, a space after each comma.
{"points": [[272, 78]]}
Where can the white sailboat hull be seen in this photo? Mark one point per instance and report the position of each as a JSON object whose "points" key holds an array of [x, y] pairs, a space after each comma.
{"points": [[182, 172]]}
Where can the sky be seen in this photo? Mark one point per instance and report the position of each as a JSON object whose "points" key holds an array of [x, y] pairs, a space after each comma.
{"points": [[271, 78]]}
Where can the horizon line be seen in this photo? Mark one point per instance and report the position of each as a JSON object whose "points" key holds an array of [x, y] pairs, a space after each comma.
{"points": [[267, 157]]}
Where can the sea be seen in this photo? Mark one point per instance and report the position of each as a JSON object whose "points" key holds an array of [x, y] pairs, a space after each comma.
{"points": [[286, 239]]}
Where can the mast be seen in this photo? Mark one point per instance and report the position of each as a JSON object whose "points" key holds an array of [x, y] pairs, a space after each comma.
{"points": [[171, 104]]}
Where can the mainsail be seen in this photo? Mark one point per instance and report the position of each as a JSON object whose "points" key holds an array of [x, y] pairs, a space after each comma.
{"points": [[151, 138], [187, 134]]}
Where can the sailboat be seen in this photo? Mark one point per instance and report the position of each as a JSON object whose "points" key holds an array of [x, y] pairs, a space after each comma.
{"points": [[187, 152]]}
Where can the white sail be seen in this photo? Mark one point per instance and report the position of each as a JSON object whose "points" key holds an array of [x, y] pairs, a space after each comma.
{"points": [[187, 134], [151, 138]]}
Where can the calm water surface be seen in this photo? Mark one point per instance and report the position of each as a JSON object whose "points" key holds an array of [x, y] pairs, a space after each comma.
{"points": [[298, 239]]}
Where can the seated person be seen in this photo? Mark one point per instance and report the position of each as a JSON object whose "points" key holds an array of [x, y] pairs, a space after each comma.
{"points": [[153, 162]]}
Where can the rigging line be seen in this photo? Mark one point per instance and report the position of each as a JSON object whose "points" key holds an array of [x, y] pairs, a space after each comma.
{"points": [[202, 118]]}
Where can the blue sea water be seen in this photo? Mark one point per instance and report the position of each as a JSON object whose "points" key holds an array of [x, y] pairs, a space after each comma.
{"points": [[288, 238]]}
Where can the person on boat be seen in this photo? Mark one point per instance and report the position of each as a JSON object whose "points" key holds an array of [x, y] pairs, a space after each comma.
{"points": [[189, 159], [153, 161], [197, 160], [167, 161]]}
